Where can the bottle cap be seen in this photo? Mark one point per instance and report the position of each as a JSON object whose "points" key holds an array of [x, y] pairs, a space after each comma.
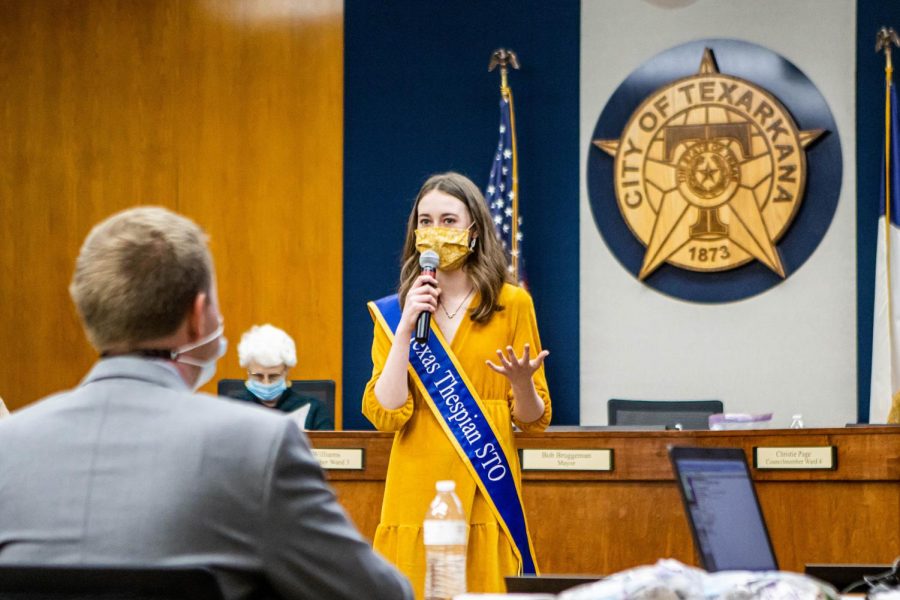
{"points": [[446, 486]]}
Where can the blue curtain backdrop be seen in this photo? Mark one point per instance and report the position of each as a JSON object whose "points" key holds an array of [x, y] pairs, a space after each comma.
{"points": [[418, 99], [871, 16]]}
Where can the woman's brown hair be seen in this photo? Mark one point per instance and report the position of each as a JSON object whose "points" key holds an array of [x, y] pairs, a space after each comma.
{"points": [[486, 265]]}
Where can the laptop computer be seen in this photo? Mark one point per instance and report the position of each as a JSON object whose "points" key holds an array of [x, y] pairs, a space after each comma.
{"points": [[723, 510]]}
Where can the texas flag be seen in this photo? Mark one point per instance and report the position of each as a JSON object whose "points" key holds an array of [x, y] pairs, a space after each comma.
{"points": [[884, 403]]}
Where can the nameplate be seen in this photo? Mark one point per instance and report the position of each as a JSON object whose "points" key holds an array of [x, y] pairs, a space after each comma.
{"points": [[340, 458], [795, 458], [567, 459]]}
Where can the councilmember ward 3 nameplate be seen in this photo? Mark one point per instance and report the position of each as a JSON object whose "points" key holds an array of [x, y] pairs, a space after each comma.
{"points": [[340, 458], [795, 458], [567, 459]]}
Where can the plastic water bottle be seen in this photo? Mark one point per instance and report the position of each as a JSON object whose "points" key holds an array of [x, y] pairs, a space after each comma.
{"points": [[445, 545], [797, 422]]}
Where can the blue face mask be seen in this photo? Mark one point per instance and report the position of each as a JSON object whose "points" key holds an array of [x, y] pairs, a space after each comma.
{"points": [[264, 391]]}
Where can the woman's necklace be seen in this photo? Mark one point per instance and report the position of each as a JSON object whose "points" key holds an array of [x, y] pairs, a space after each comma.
{"points": [[453, 314]]}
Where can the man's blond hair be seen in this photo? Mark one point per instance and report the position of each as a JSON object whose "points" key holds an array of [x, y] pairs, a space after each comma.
{"points": [[137, 276]]}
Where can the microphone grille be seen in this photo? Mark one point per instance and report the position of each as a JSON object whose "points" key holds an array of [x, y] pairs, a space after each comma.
{"points": [[429, 260]]}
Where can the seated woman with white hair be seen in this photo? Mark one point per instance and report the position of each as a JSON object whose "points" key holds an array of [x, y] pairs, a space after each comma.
{"points": [[268, 354]]}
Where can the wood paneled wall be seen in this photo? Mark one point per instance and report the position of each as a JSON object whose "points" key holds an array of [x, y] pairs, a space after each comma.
{"points": [[228, 111]]}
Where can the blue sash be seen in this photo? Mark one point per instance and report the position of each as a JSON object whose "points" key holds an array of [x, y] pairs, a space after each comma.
{"points": [[458, 409]]}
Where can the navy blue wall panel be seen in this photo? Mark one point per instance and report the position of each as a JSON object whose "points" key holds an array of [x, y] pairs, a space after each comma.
{"points": [[871, 16], [418, 99]]}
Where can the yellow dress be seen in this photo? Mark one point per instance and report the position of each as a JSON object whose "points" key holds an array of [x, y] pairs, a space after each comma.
{"points": [[422, 455]]}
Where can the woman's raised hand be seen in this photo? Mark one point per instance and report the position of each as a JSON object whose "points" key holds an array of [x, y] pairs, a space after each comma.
{"points": [[518, 370]]}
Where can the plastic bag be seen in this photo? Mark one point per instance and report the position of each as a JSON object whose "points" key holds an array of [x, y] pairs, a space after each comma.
{"points": [[671, 580]]}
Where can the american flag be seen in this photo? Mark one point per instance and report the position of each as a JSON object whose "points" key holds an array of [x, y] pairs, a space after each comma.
{"points": [[503, 187]]}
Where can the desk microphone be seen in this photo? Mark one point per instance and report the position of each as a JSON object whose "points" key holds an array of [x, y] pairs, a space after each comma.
{"points": [[429, 261]]}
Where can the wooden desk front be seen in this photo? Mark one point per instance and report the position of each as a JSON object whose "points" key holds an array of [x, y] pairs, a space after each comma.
{"points": [[603, 522]]}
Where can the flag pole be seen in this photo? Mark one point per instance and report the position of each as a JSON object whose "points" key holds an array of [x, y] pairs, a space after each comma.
{"points": [[504, 59], [885, 40]]}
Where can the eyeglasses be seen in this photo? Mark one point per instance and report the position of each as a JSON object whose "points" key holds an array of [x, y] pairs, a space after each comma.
{"points": [[266, 378]]}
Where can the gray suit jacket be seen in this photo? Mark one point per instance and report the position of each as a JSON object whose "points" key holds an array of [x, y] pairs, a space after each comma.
{"points": [[132, 467]]}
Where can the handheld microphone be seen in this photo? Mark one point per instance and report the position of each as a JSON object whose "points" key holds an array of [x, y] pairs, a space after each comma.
{"points": [[429, 261]]}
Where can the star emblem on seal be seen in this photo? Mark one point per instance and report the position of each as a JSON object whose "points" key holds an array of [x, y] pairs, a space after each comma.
{"points": [[709, 173]]}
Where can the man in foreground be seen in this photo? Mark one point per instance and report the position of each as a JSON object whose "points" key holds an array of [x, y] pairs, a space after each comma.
{"points": [[134, 467]]}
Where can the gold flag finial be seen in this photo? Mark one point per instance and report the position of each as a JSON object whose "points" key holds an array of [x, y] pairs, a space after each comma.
{"points": [[504, 59], [884, 40], [708, 63]]}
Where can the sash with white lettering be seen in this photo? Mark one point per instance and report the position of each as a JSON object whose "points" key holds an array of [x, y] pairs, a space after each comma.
{"points": [[457, 407]]}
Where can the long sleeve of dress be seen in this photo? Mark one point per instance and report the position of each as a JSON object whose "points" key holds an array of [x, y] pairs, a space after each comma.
{"points": [[525, 331], [382, 418]]}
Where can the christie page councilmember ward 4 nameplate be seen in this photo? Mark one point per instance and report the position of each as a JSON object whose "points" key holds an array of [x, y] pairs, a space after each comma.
{"points": [[795, 457]]}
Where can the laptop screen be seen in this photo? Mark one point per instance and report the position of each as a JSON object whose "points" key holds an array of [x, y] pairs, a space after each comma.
{"points": [[723, 510]]}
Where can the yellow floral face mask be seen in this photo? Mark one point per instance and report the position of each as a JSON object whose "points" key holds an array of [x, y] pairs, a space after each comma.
{"points": [[451, 244]]}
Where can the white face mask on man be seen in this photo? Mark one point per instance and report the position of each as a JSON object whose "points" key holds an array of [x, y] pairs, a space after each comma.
{"points": [[207, 367]]}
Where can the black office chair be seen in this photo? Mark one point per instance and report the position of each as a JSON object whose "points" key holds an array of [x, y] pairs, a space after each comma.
{"points": [[320, 389], [674, 414], [96, 582]]}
